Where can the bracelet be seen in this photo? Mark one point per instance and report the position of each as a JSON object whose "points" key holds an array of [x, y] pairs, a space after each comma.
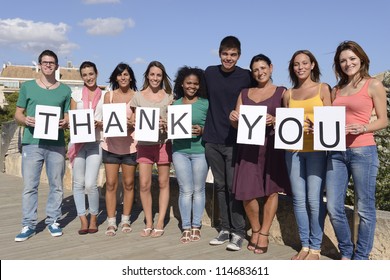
{"points": [[364, 128]]}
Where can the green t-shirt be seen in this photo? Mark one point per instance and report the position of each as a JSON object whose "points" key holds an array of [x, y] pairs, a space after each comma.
{"points": [[195, 144], [31, 95]]}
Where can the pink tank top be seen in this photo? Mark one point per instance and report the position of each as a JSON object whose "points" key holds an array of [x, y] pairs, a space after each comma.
{"points": [[121, 145], [358, 108]]}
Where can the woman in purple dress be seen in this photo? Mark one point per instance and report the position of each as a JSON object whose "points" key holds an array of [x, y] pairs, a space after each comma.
{"points": [[260, 171]]}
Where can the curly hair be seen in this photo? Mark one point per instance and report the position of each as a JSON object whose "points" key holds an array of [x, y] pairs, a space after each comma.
{"points": [[183, 73]]}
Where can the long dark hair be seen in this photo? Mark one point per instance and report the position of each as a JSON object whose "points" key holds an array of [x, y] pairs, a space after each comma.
{"points": [[119, 70]]}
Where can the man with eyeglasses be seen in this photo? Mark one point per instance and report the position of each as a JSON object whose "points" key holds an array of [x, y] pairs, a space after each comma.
{"points": [[45, 90]]}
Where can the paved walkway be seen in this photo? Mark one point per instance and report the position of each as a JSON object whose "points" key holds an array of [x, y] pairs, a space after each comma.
{"points": [[72, 246]]}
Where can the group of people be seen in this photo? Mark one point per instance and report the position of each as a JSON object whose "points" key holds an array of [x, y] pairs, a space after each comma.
{"points": [[242, 173]]}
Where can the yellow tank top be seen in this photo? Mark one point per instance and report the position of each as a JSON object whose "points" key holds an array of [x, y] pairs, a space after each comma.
{"points": [[308, 106]]}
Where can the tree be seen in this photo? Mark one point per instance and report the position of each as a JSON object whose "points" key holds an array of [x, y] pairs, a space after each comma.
{"points": [[383, 143], [7, 113]]}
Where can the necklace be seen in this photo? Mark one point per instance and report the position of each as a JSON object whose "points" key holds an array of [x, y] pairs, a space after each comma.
{"points": [[46, 86]]}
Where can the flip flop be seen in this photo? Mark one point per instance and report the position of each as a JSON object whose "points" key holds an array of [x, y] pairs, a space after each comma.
{"points": [[157, 232], [125, 226], [195, 234], [186, 236], [111, 231], [146, 232]]}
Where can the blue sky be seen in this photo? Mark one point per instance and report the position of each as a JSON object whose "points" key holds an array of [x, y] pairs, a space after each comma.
{"points": [[180, 32]]}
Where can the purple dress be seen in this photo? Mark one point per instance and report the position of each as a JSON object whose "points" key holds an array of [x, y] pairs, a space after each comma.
{"points": [[261, 170]]}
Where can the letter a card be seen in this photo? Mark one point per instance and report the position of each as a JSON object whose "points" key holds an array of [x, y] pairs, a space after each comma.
{"points": [[114, 120]]}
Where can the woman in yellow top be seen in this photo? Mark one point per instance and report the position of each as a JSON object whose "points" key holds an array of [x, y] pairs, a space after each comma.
{"points": [[307, 167]]}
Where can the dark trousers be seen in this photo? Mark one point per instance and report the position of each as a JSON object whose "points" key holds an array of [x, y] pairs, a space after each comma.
{"points": [[231, 211]]}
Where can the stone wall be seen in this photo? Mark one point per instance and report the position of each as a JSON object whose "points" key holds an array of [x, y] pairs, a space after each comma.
{"points": [[283, 231]]}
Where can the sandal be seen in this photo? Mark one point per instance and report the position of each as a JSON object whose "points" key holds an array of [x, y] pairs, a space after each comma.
{"points": [[157, 232], [195, 234], [301, 254], [186, 236], [111, 227], [125, 224], [313, 255], [261, 249], [146, 232], [252, 245]]}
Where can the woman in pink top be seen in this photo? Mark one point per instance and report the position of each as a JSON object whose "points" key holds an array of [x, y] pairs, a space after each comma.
{"points": [[120, 152], [360, 94], [86, 158]]}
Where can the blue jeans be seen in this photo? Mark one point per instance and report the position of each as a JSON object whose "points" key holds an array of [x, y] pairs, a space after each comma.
{"points": [[307, 171], [85, 172], [191, 172], [232, 214], [33, 157], [362, 163]]}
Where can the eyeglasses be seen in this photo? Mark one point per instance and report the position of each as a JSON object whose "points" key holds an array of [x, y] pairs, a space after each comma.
{"points": [[48, 63]]}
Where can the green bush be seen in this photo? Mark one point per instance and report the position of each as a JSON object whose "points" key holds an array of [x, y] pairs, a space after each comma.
{"points": [[7, 113], [383, 143]]}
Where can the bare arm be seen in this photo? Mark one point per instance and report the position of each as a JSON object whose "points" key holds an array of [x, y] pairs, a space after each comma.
{"points": [[64, 122], [73, 104], [333, 94], [326, 95], [286, 98], [235, 114], [107, 98], [378, 94], [22, 119]]}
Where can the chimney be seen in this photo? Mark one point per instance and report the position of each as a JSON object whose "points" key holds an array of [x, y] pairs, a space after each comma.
{"points": [[58, 74]]}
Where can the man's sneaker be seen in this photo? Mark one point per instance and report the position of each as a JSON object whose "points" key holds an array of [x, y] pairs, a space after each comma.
{"points": [[223, 236], [235, 243], [55, 229], [25, 234]]}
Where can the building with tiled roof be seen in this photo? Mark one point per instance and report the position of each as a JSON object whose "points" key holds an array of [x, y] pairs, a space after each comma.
{"points": [[12, 77]]}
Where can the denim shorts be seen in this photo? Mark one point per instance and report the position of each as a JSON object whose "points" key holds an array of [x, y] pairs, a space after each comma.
{"points": [[111, 158]]}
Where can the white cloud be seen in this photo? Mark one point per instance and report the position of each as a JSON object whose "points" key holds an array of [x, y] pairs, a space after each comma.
{"points": [[100, 1], [138, 60], [35, 36], [107, 26]]}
